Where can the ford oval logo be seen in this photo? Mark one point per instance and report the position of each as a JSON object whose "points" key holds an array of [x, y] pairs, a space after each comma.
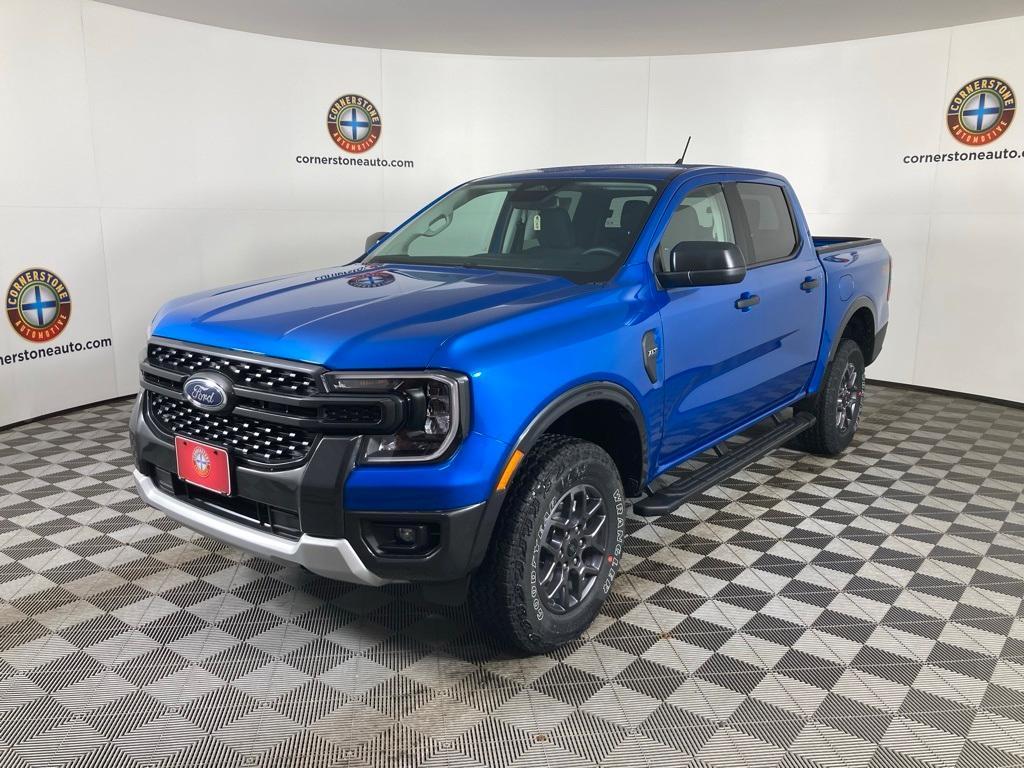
{"points": [[210, 392]]}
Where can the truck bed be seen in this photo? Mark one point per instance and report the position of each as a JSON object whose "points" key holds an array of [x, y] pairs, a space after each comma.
{"points": [[830, 244]]}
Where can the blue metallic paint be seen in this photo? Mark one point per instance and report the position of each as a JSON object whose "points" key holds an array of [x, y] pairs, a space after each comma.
{"points": [[525, 339]]}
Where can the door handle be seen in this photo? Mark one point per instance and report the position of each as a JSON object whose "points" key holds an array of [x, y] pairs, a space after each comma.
{"points": [[809, 284], [747, 300]]}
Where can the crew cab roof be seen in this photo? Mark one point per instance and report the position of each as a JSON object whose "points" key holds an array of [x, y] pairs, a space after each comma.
{"points": [[623, 172]]}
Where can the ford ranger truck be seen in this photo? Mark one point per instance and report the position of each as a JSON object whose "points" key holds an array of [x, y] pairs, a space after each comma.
{"points": [[477, 401]]}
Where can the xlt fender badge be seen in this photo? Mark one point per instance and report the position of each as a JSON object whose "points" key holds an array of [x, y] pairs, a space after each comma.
{"points": [[651, 352]]}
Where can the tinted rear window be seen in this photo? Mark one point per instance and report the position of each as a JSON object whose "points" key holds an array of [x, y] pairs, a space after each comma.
{"points": [[771, 225]]}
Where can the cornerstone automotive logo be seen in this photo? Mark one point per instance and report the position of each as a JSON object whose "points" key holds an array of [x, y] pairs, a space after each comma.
{"points": [[981, 111], [372, 280], [354, 123], [201, 461], [38, 305]]}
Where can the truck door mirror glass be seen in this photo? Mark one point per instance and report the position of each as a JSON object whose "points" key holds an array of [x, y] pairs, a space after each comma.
{"points": [[373, 239], [693, 263]]}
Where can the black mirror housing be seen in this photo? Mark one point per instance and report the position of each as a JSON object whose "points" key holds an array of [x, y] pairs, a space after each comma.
{"points": [[695, 263], [375, 238]]}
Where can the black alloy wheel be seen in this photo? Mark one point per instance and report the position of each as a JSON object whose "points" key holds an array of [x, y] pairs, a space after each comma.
{"points": [[574, 546], [849, 398]]}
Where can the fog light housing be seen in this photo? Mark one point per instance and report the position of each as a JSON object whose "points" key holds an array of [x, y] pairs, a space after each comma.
{"points": [[402, 538]]}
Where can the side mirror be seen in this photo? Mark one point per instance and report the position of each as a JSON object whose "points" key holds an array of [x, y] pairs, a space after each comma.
{"points": [[373, 239], [694, 263]]}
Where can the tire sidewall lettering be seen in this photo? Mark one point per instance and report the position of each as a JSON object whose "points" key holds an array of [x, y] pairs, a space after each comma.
{"points": [[614, 559], [536, 604]]}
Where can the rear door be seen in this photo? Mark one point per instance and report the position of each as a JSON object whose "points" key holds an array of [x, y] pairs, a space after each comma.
{"points": [[784, 274], [725, 364]]}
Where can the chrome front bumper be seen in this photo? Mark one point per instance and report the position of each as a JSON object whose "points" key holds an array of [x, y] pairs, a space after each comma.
{"points": [[333, 558]]}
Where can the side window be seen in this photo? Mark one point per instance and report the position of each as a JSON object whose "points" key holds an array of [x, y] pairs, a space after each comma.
{"points": [[703, 215], [468, 233], [771, 224]]}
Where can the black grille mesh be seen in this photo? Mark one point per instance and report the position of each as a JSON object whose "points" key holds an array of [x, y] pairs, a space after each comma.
{"points": [[353, 414], [255, 375], [250, 439]]}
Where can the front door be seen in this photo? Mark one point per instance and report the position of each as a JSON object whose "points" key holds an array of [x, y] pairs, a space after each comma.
{"points": [[731, 352]]}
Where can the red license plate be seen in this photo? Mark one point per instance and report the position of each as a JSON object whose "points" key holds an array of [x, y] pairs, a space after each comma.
{"points": [[203, 465]]}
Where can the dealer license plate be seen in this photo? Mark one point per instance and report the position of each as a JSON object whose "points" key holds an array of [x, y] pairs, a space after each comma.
{"points": [[203, 465]]}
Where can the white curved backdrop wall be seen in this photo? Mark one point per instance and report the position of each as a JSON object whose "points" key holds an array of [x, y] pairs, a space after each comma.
{"points": [[143, 157]]}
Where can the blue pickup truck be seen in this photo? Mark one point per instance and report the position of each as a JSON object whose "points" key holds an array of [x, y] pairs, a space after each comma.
{"points": [[477, 400]]}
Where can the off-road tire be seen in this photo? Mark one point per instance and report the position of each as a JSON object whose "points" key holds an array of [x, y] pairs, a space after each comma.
{"points": [[503, 592], [827, 437]]}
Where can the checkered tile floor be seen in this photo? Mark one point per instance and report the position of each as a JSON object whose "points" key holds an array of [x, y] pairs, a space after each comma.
{"points": [[854, 613]]}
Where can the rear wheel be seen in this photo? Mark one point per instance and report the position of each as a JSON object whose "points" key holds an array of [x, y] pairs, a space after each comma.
{"points": [[555, 549], [837, 404]]}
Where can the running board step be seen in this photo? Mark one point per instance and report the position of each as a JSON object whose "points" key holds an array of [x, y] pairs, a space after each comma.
{"points": [[731, 462]]}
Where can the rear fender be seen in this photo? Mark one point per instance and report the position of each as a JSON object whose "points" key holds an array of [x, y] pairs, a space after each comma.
{"points": [[832, 334]]}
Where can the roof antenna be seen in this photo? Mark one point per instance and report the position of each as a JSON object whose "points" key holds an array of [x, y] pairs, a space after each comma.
{"points": [[683, 156]]}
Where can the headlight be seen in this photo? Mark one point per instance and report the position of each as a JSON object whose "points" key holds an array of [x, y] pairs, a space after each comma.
{"points": [[433, 406]]}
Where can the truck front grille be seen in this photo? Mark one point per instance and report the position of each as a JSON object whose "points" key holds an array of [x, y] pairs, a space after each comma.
{"points": [[258, 376], [249, 439], [277, 410]]}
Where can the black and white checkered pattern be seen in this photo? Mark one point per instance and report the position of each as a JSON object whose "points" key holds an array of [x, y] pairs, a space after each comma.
{"points": [[853, 613]]}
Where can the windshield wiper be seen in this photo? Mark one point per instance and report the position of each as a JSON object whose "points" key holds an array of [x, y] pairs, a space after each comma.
{"points": [[431, 262]]}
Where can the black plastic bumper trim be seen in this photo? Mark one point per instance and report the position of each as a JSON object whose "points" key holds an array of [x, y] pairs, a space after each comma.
{"points": [[876, 349], [452, 559], [315, 491]]}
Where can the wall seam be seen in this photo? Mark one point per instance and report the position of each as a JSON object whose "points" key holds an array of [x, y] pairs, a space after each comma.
{"points": [[647, 120], [381, 222], [931, 220], [99, 200]]}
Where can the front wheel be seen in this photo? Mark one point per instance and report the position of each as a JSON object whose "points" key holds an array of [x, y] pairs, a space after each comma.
{"points": [[837, 405], [555, 549]]}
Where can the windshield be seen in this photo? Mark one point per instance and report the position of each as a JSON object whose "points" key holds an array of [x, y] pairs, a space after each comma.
{"points": [[581, 230]]}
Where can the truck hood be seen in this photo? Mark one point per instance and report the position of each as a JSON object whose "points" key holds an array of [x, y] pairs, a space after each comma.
{"points": [[359, 316]]}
